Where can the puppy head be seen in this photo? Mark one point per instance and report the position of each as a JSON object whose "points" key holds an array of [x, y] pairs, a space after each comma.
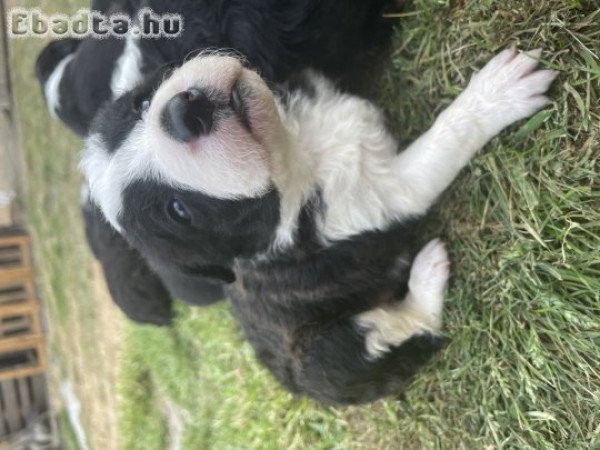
{"points": [[181, 165], [76, 76]]}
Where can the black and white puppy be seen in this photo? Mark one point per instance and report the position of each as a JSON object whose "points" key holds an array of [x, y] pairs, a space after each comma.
{"points": [[301, 202], [78, 75], [341, 38]]}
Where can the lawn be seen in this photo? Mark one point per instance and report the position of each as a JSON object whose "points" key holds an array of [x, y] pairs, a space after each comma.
{"points": [[522, 367]]}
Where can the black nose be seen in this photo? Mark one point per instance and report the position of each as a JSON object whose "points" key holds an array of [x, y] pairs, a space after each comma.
{"points": [[188, 115]]}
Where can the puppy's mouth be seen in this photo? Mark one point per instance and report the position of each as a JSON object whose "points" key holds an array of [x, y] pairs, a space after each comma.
{"points": [[238, 104]]}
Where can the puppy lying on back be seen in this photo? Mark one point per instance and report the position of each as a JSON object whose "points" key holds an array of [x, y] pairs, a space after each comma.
{"points": [[302, 204], [339, 37]]}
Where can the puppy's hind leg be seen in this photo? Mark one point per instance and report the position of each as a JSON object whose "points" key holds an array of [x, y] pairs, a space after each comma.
{"points": [[376, 353], [419, 312]]}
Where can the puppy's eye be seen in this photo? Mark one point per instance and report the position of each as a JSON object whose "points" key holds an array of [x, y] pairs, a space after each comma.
{"points": [[179, 212]]}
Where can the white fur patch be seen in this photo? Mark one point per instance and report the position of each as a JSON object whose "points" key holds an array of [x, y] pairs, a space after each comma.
{"points": [[51, 89], [341, 147], [84, 193], [419, 312], [109, 176], [230, 161], [127, 73], [331, 142]]}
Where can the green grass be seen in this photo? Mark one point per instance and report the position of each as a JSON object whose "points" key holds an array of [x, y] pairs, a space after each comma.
{"points": [[67, 434], [523, 224]]}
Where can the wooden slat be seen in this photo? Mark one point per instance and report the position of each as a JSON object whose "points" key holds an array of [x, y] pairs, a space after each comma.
{"points": [[3, 406], [18, 246], [35, 343], [41, 354], [19, 280], [13, 293], [15, 309], [12, 417], [25, 398], [23, 372], [20, 400], [18, 239], [15, 326], [20, 343], [10, 253], [28, 312], [40, 393], [12, 275]]}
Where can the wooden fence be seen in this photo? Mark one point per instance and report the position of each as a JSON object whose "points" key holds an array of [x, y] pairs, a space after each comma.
{"points": [[23, 384]]}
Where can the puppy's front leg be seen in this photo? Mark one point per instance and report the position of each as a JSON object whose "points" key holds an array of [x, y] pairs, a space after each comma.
{"points": [[507, 89]]}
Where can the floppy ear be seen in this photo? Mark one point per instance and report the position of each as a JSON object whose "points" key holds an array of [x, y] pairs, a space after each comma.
{"points": [[134, 287], [52, 55], [75, 88]]}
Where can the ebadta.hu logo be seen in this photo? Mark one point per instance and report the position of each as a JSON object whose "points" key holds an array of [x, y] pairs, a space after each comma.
{"points": [[23, 22]]}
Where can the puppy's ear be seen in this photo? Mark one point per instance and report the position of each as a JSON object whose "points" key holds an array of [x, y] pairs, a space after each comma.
{"points": [[134, 287], [51, 56]]}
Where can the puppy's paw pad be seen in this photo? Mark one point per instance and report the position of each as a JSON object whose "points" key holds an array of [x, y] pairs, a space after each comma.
{"points": [[430, 270]]}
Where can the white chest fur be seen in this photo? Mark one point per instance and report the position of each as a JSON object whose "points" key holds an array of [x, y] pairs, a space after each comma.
{"points": [[339, 145]]}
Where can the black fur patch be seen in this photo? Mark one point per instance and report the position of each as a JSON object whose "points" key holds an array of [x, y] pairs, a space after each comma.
{"points": [[341, 38], [297, 309], [115, 121], [134, 287], [52, 55], [218, 232]]}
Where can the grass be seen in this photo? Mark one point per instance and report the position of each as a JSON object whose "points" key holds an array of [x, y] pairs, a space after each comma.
{"points": [[523, 225], [79, 334]]}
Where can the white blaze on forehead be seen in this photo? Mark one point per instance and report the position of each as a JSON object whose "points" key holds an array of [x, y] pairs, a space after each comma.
{"points": [[127, 73], [51, 91], [109, 174]]}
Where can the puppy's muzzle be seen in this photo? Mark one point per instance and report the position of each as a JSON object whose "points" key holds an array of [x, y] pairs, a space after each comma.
{"points": [[188, 115]]}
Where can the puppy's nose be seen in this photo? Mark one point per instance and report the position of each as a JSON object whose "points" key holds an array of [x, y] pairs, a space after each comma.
{"points": [[188, 115]]}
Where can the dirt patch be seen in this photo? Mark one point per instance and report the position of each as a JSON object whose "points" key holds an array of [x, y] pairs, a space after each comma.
{"points": [[98, 389], [92, 368]]}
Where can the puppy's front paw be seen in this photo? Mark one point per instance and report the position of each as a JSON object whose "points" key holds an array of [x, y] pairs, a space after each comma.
{"points": [[508, 88]]}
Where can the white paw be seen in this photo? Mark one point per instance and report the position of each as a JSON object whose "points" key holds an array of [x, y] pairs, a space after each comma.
{"points": [[429, 273], [507, 89]]}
